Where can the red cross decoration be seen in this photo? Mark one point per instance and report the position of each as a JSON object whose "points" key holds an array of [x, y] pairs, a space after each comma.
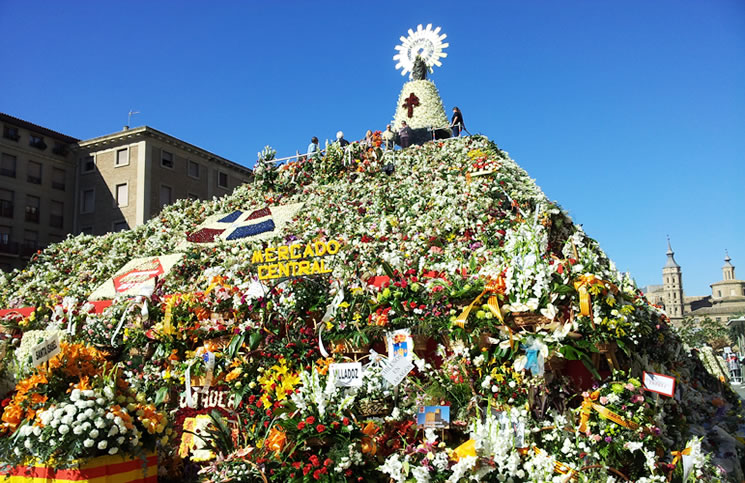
{"points": [[410, 103]]}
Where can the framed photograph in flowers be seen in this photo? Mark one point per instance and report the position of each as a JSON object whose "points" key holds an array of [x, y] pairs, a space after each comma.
{"points": [[400, 344], [433, 417]]}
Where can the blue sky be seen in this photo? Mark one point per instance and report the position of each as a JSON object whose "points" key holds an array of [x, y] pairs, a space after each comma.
{"points": [[630, 114]]}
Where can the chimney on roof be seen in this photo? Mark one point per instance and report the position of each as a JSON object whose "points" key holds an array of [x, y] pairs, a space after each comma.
{"points": [[125, 128]]}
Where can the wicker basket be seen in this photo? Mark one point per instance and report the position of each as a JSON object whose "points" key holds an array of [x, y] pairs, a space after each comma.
{"points": [[527, 320], [348, 349], [374, 407]]}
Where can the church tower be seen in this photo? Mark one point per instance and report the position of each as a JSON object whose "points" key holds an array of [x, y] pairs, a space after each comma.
{"points": [[672, 283], [728, 270]]}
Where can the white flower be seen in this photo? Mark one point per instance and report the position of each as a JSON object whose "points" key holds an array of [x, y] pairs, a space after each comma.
{"points": [[102, 444], [94, 433], [113, 450], [100, 423], [64, 429]]}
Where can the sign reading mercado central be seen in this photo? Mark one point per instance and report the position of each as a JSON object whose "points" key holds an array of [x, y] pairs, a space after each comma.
{"points": [[294, 260]]}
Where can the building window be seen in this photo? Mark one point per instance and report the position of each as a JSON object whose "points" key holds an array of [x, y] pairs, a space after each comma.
{"points": [[88, 164], [30, 240], [122, 194], [11, 132], [122, 157], [119, 226], [32, 208], [60, 149], [37, 142], [165, 195], [56, 214], [33, 172], [8, 165], [58, 179], [88, 230], [719, 293], [87, 201], [222, 179], [166, 159], [6, 203], [4, 236], [194, 169]]}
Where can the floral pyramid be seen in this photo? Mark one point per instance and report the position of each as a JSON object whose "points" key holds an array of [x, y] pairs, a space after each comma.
{"points": [[441, 322]]}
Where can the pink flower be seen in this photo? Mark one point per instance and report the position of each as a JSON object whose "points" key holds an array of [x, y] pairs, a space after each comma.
{"points": [[603, 400], [596, 437], [629, 386]]}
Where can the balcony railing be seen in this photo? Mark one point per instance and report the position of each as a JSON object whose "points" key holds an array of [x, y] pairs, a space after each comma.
{"points": [[28, 248], [32, 214], [33, 179], [11, 173], [6, 209], [58, 185], [9, 248]]}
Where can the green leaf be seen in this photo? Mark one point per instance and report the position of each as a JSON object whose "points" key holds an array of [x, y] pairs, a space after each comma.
{"points": [[387, 269], [235, 344], [160, 395], [254, 339]]}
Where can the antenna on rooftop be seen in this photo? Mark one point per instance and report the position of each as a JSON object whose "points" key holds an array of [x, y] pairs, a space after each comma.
{"points": [[129, 118]]}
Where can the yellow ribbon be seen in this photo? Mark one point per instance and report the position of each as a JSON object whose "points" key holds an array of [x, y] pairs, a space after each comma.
{"points": [[492, 287], [167, 327], [589, 404], [582, 286], [678, 454], [559, 467], [465, 450], [216, 282]]}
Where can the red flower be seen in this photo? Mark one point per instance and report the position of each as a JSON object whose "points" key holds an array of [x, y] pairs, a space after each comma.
{"points": [[310, 420], [317, 474], [328, 462], [345, 421], [306, 470], [301, 425], [314, 460], [320, 428], [297, 465]]}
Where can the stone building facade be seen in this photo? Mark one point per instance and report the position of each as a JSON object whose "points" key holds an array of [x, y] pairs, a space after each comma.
{"points": [[52, 185], [37, 182], [127, 177], [727, 299]]}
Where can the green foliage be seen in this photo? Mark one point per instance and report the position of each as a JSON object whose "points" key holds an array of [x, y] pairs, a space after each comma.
{"points": [[705, 332]]}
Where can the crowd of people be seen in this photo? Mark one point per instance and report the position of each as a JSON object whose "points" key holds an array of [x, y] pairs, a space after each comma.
{"points": [[403, 137]]}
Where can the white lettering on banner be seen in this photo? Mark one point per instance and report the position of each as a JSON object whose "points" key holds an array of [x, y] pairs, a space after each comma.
{"points": [[211, 398], [659, 383], [347, 374], [45, 350], [396, 369]]}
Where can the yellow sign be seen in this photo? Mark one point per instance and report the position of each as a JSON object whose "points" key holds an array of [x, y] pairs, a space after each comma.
{"points": [[294, 260]]}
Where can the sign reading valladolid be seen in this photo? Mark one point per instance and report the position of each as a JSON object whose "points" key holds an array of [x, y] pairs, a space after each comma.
{"points": [[242, 225], [297, 260], [135, 275]]}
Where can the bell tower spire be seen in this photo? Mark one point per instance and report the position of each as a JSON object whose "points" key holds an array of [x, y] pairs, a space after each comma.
{"points": [[672, 283]]}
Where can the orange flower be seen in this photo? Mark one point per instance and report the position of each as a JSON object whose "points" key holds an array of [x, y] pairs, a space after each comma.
{"points": [[276, 439], [234, 374], [323, 365], [12, 415]]}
